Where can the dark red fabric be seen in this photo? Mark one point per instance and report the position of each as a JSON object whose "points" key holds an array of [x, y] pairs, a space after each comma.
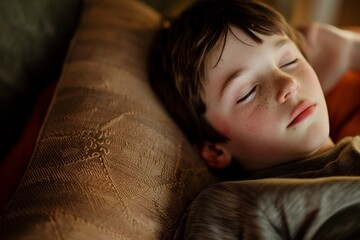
{"points": [[14, 165]]}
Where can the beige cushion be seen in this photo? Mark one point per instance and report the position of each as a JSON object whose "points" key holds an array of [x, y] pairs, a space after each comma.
{"points": [[109, 162]]}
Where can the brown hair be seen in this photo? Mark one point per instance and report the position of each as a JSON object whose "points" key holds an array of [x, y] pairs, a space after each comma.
{"points": [[177, 69]]}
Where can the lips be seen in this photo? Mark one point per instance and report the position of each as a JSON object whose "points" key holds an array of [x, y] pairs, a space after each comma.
{"points": [[301, 111]]}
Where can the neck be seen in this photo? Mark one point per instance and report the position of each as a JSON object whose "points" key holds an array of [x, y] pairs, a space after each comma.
{"points": [[328, 144]]}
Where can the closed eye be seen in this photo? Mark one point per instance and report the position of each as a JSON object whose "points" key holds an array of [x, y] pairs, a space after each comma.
{"points": [[290, 63], [248, 95]]}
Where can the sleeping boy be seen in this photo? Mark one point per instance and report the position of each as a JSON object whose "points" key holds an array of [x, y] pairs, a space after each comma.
{"points": [[246, 88], [237, 79]]}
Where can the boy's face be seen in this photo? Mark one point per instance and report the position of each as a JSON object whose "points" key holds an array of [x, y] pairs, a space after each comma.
{"points": [[266, 99]]}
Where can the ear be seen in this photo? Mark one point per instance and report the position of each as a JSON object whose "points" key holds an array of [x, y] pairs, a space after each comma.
{"points": [[215, 155]]}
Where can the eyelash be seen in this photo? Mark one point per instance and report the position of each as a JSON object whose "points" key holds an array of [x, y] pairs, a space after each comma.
{"points": [[290, 63], [247, 95]]}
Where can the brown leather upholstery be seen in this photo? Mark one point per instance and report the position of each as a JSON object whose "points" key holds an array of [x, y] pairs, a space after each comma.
{"points": [[109, 162]]}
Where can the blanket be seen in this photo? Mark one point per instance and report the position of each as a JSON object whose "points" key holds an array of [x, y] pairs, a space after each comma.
{"points": [[322, 208]]}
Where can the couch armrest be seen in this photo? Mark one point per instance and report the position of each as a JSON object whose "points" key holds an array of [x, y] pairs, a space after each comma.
{"points": [[109, 163]]}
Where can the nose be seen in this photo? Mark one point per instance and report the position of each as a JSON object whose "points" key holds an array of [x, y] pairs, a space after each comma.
{"points": [[288, 87]]}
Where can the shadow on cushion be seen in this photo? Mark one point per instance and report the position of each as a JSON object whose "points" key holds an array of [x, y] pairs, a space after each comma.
{"points": [[34, 39]]}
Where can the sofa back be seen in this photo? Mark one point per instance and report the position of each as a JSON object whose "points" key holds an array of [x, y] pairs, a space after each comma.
{"points": [[109, 162]]}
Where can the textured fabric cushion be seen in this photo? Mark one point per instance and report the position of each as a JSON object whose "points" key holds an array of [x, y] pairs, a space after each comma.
{"points": [[33, 41], [109, 162]]}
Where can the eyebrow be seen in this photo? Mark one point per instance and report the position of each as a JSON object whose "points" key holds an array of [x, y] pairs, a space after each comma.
{"points": [[282, 42], [229, 79], [278, 44]]}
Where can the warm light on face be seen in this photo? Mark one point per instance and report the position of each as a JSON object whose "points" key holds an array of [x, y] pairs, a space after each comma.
{"points": [[260, 97]]}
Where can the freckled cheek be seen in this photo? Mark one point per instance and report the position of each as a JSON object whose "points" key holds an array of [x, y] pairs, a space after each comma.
{"points": [[264, 96], [259, 120], [310, 85], [256, 119], [307, 76], [262, 116]]}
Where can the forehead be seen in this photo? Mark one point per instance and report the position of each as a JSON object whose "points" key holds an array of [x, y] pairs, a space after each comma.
{"points": [[214, 56], [236, 37]]}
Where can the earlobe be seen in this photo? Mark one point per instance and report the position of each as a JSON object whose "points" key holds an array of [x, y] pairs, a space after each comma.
{"points": [[215, 155]]}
